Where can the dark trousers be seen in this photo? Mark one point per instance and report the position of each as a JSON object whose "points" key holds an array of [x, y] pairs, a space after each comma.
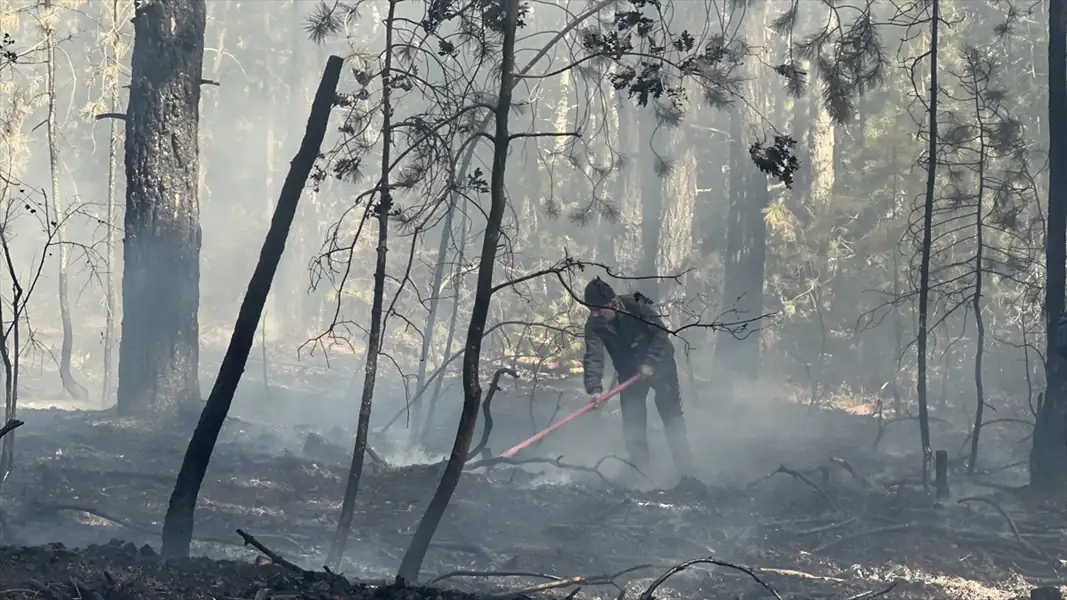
{"points": [[668, 397]]}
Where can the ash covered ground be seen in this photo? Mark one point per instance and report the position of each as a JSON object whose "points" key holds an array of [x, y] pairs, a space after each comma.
{"points": [[842, 520]]}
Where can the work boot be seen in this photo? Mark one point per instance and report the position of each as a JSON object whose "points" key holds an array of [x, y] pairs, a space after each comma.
{"points": [[678, 441]]}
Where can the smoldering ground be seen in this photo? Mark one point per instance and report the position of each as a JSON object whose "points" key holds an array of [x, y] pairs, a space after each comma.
{"points": [[840, 518]]}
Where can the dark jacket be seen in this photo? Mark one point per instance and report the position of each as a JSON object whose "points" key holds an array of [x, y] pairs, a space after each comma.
{"points": [[636, 336]]}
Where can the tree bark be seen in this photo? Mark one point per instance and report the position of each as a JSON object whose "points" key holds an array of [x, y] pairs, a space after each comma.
{"points": [[411, 564], [374, 339], [1048, 463], [159, 351], [114, 135], [58, 215], [178, 524], [924, 267]]}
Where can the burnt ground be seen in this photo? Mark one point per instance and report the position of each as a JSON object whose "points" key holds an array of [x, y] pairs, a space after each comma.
{"points": [[84, 478]]}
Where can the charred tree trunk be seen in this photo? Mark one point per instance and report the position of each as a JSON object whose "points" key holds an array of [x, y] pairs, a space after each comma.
{"points": [[927, 243], [159, 353], [1048, 464], [374, 339], [411, 565], [979, 351], [178, 525]]}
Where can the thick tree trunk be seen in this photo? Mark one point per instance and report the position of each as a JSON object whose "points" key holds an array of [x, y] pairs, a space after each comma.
{"points": [[651, 200], [1048, 463], [159, 352], [411, 564], [178, 525], [732, 304]]}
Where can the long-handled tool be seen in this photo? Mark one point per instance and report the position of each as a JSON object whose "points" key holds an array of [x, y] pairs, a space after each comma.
{"points": [[574, 415]]}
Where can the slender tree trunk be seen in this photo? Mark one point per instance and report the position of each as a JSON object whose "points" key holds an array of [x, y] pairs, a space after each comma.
{"points": [[924, 267], [178, 524], [431, 317], [411, 564], [979, 350], [114, 135], [651, 183], [159, 354], [453, 319], [374, 340], [58, 216]]}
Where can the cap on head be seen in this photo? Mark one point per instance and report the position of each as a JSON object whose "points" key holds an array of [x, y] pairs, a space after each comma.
{"points": [[598, 293]]}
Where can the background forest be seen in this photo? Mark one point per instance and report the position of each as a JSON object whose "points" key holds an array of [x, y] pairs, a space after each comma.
{"points": [[833, 259]]}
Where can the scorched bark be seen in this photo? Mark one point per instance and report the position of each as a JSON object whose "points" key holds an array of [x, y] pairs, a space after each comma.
{"points": [[159, 354]]}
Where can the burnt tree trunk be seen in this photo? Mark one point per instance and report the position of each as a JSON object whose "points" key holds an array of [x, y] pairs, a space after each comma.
{"points": [[927, 243], [1048, 464], [178, 524], [382, 211], [159, 351], [411, 564]]}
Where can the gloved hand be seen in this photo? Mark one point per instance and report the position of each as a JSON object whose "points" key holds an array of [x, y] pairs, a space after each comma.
{"points": [[597, 399]]}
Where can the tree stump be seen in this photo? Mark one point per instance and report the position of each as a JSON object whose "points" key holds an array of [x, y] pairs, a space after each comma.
{"points": [[941, 474]]}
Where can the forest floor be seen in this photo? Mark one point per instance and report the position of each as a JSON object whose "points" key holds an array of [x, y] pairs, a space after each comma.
{"points": [[841, 519]]}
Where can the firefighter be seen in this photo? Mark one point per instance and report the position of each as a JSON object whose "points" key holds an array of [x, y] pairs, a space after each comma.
{"points": [[637, 341]]}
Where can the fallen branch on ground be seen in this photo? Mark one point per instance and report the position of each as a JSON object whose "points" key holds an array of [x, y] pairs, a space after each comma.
{"points": [[870, 594], [10, 426], [844, 464], [555, 462], [454, 574], [273, 556], [569, 581], [647, 594], [848, 538], [38, 508], [799, 477], [1011, 524]]}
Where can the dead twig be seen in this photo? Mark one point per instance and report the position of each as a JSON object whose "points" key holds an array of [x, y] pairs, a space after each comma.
{"points": [[555, 462], [597, 464], [569, 581], [273, 556], [10, 426], [848, 538], [847, 466], [828, 527], [799, 477], [1011, 524], [647, 594], [487, 413], [872, 594], [454, 574]]}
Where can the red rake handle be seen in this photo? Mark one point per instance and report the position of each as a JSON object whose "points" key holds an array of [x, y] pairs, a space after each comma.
{"points": [[574, 415]]}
